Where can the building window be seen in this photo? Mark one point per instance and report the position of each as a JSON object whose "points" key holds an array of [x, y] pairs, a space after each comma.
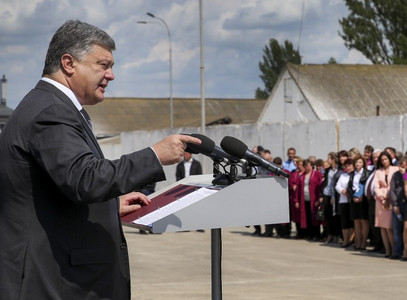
{"points": [[288, 92]]}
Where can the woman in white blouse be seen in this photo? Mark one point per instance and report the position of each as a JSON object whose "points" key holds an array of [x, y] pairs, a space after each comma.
{"points": [[341, 188]]}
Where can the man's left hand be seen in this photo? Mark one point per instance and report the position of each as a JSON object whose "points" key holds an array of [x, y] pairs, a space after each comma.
{"points": [[132, 202]]}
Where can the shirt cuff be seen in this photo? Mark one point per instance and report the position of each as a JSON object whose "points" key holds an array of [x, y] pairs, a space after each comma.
{"points": [[156, 156]]}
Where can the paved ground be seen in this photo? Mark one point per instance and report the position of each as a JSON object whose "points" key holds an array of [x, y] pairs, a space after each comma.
{"points": [[174, 266]]}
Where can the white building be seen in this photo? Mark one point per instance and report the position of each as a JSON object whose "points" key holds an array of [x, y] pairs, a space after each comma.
{"points": [[336, 92]]}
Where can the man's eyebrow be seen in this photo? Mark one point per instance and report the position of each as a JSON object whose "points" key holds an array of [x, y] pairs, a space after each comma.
{"points": [[105, 60]]}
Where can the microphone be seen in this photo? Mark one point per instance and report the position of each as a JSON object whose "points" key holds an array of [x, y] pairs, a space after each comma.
{"points": [[237, 148], [208, 148]]}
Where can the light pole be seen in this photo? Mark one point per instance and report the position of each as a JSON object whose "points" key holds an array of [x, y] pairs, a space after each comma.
{"points": [[170, 60]]}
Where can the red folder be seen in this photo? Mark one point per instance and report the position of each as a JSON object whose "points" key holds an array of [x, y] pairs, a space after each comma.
{"points": [[159, 201]]}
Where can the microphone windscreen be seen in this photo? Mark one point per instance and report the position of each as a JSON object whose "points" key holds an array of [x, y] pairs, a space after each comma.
{"points": [[233, 146], [206, 147], [190, 149]]}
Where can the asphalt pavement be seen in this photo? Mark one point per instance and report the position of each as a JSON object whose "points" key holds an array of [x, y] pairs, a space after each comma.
{"points": [[174, 266]]}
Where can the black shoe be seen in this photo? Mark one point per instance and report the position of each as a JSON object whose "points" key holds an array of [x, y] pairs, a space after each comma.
{"points": [[395, 257]]}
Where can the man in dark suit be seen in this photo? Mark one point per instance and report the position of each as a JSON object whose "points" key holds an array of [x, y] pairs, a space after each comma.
{"points": [[60, 229], [188, 166]]}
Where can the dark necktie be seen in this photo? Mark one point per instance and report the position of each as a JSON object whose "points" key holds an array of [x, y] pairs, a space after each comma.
{"points": [[87, 118], [369, 188]]}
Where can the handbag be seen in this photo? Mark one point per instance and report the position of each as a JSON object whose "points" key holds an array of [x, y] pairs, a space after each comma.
{"points": [[320, 213]]}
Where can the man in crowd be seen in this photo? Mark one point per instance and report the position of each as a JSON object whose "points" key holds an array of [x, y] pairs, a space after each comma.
{"points": [[289, 163], [398, 199], [189, 166], [392, 152], [60, 229]]}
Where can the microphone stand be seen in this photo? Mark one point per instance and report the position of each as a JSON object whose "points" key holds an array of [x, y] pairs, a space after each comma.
{"points": [[216, 233]]}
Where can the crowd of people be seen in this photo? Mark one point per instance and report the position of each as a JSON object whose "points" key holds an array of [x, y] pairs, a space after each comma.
{"points": [[351, 198]]}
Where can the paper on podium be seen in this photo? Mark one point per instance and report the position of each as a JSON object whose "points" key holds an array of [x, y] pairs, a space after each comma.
{"points": [[168, 203]]}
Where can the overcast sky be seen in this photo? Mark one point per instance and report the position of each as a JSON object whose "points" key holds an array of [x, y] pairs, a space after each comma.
{"points": [[235, 33]]}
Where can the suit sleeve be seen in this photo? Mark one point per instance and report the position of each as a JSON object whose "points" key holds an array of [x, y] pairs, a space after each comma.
{"points": [[178, 172], [59, 145]]}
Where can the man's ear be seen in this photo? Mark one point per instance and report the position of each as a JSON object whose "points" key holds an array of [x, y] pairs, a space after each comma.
{"points": [[68, 64]]}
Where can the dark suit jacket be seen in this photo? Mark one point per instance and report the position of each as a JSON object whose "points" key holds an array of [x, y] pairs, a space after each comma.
{"points": [[396, 192], [196, 169], [60, 231]]}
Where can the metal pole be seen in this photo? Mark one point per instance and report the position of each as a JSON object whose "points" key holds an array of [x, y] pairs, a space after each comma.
{"points": [[170, 61], [203, 122], [216, 263], [216, 233]]}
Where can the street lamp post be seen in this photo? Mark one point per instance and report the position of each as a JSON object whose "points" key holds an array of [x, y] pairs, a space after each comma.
{"points": [[170, 60]]}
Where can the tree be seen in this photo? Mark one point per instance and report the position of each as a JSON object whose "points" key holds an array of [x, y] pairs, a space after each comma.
{"points": [[332, 61], [377, 28], [275, 58]]}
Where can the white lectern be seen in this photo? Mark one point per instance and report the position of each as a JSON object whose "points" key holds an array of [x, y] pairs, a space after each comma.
{"points": [[246, 202], [195, 203]]}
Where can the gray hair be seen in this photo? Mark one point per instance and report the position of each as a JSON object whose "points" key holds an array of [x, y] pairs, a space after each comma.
{"points": [[377, 151], [77, 39]]}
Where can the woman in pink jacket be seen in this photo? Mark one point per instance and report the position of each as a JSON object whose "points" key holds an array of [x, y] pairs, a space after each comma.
{"points": [[383, 217]]}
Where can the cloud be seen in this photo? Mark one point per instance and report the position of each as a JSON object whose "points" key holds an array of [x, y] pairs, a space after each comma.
{"points": [[235, 33]]}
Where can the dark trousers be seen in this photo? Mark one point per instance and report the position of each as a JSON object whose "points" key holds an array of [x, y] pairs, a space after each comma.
{"points": [[398, 227], [332, 225], [312, 231]]}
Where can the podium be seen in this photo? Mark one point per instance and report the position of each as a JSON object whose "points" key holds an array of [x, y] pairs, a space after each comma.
{"points": [[255, 201], [194, 203]]}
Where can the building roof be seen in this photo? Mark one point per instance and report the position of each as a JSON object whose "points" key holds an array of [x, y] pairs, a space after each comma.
{"points": [[336, 91], [115, 115]]}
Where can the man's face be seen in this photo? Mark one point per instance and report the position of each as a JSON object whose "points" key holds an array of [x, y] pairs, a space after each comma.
{"points": [[92, 76], [391, 153], [291, 154], [187, 156]]}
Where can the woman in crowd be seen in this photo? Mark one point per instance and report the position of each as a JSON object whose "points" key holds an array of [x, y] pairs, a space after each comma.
{"points": [[342, 157], [368, 156], [353, 152], [358, 202], [327, 197], [341, 188], [309, 189], [383, 218], [293, 183]]}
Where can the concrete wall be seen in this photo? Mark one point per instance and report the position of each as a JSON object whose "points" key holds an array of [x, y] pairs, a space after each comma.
{"points": [[309, 138]]}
